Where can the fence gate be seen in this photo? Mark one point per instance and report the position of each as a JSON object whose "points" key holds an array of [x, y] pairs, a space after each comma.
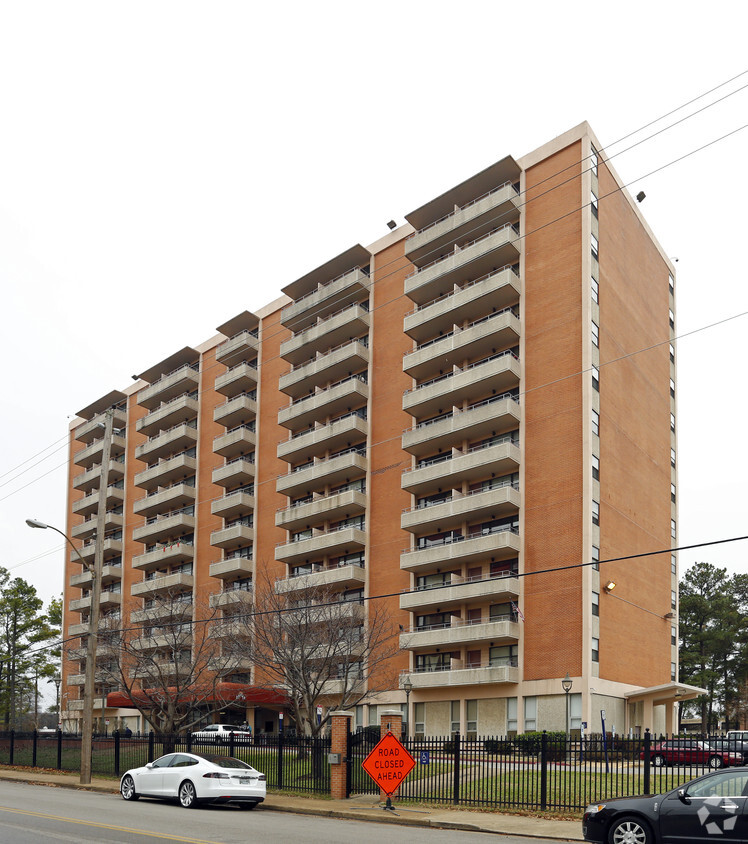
{"points": [[360, 745]]}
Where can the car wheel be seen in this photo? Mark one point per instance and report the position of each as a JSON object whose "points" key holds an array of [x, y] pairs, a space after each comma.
{"points": [[716, 762], [658, 760], [187, 796], [629, 830], [127, 789]]}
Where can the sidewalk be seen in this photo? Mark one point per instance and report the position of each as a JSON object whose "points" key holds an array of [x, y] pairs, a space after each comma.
{"points": [[363, 808]]}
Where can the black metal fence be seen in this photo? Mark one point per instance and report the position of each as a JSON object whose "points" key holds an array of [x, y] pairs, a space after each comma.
{"points": [[534, 771]]}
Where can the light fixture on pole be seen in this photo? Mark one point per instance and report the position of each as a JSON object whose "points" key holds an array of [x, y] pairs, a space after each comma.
{"points": [[407, 688], [566, 685]]}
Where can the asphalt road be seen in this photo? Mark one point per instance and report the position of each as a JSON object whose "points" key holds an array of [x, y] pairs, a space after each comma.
{"points": [[32, 814]]}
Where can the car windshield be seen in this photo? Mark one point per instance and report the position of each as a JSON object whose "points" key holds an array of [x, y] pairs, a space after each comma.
{"points": [[227, 762]]}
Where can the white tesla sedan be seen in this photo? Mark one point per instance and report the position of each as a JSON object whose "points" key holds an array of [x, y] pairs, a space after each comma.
{"points": [[194, 778]]}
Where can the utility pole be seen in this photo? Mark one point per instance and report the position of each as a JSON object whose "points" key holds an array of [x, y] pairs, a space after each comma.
{"points": [[93, 614]]}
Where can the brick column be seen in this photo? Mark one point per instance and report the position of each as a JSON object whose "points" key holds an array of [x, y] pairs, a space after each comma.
{"points": [[339, 744], [392, 720]]}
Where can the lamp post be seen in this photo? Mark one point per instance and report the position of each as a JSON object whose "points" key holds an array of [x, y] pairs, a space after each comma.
{"points": [[566, 685], [408, 688]]}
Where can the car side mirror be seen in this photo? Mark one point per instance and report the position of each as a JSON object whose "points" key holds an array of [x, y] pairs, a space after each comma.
{"points": [[682, 796], [149, 765]]}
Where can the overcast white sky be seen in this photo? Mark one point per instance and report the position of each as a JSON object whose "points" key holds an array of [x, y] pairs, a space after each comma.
{"points": [[153, 150]]}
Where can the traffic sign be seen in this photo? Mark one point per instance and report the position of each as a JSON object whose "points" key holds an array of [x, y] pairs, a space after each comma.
{"points": [[388, 763]]}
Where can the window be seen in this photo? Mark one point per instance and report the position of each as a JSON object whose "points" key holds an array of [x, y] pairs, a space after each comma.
{"points": [[502, 655], [595, 334], [596, 423], [511, 714], [672, 457], [672, 492], [593, 161], [575, 711], [595, 649], [596, 603], [595, 512], [419, 717], [595, 467], [593, 203], [672, 353], [595, 378], [471, 711], [672, 528], [671, 283], [672, 422], [672, 671], [673, 599], [673, 564], [594, 290], [673, 636], [671, 317], [531, 713], [595, 246], [595, 558], [455, 716], [672, 388]]}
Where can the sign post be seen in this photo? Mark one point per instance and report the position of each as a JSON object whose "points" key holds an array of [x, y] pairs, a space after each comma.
{"points": [[388, 764]]}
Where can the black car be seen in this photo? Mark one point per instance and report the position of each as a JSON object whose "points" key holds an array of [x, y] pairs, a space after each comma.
{"points": [[710, 808]]}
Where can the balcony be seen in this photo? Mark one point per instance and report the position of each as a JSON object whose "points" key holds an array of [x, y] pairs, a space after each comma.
{"points": [[91, 478], [499, 545], [238, 471], [330, 543], [347, 394], [332, 366], [78, 629], [153, 673], [329, 508], [335, 688], [91, 430], [482, 420], [166, 472], [499, 373], [169, 554], [241, 346], [232, 568], [335, 435], [476, 340], [111, 547], [491, 503], [331, 471], [173, 413], [162, 585], [84, 580], [236, 411], [238, 502], [87, 529], [115, 495], [232, 598], [241, 378], [347, 324], [185, 379], [168, 609], [465, 676], [340, 577], [502, 458], [459, 591], [498, 631], [179, 438], [474, 259], [474, 219], [495, 291], [233, 536], [107, 600], [326, 299], [159, 528], [240, 440], [166, 500], [92, 454]]}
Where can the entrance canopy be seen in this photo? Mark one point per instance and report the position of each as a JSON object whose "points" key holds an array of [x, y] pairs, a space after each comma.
{"points": [[665, 695]]}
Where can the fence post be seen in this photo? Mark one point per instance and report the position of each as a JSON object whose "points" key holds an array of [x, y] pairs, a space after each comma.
{"points": [[544, 771], [231, 743], [59, 749], [116, 753], [151, 745], [12, 746], [647, 760], [339, 773], [456, 770], [280, 759]]}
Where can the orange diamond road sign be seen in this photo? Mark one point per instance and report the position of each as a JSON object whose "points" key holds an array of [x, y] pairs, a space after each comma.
{"points": [[388, 763]]}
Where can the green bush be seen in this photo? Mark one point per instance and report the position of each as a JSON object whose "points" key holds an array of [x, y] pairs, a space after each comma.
{"points": [[448, 746]]}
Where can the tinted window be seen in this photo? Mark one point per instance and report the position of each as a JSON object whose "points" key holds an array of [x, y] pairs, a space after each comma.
{"points": [[228, 762], [164, 761], [181, 760]]}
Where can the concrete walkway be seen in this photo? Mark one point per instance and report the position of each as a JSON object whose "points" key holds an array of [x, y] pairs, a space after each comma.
{"points": [[363, 808]]}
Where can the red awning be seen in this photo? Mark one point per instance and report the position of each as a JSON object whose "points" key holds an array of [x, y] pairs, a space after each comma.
{"points": [[223, 693]]}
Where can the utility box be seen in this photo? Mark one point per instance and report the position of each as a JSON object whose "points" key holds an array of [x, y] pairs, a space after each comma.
{"points": [[334, 758]]}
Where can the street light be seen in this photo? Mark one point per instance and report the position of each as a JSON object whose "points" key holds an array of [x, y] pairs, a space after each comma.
{"points": [[35, 523], [566, 685], [408, 688]]}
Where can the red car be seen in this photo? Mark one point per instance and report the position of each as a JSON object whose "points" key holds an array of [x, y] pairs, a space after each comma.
{"points": [[689, 752]]}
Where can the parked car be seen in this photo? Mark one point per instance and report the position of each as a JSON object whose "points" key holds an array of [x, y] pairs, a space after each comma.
{"points": [[194, 778], [731, 745], [710, 808], [689, 752], [221, 734]]}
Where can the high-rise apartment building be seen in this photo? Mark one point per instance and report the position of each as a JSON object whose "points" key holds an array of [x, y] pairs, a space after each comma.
{"points": [[473, 417]]}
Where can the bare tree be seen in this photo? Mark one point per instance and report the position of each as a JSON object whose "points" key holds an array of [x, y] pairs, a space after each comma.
{"points": [[170, 666], [320, 646]]}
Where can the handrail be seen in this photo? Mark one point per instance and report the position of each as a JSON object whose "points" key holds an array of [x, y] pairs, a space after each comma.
{"points": [[237, 365], [462, 622], [360, 412], [462, 538], [193, 366], [328, 532], [459, 371], [453, 499], [313, 500], [248, 458], [463, 207], [190, 423], [459, 329], [296, 334], [248, 426], [364, 341], [251, 394], [457, 413], [464, 287], [190, 394], [189, 510], [253, 332], [327, 284], [361, 376], [462, 248]]}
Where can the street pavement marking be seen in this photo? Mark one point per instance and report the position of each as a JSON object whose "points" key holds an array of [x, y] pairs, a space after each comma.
{"points": [[161, 835]]}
